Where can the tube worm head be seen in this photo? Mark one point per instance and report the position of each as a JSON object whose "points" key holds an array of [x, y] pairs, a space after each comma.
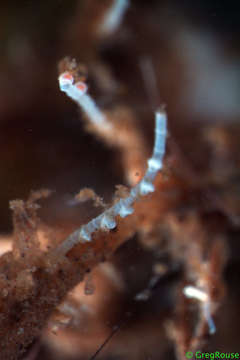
{"points": [[65, 80], [81, 87]]}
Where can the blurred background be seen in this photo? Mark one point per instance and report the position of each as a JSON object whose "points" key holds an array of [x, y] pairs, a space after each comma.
{"points": [[194, 50]]}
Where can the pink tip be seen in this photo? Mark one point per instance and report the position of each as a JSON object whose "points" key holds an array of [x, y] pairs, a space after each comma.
{"points": [[66, 78], [82, 87]]}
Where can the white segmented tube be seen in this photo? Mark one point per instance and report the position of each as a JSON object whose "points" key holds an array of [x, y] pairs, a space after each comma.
{"points": [[195, 293], [78, 93], [108, 222], [146, 187], [154, 164], [208, 317], [84, 234], [199, 294], [125, 209], [114, 16]]}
